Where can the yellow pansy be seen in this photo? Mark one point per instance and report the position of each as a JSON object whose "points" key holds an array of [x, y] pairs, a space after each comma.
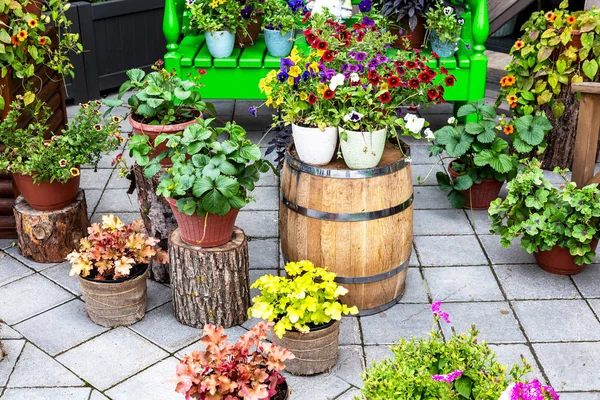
{"points": [[320, 53], [295, 71], [303, 96], [321, 89], [314, 66], [290, 81], [279, 101], [262, 84], [269, 102], [214, 4], [384, 86], [272, 74], [294, 51], [295, 59], [268, 90]]}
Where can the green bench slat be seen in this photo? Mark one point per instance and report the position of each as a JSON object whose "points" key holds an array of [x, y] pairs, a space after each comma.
{"points": [[229, 62], [189, 47], [203, 58], [253, 57], [271, 62], [449, 62], [463, 60]]}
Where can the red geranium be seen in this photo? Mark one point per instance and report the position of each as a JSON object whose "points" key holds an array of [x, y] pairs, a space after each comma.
{"points": [[329, 94], [393, 81], [385, 97], [450, 80]]}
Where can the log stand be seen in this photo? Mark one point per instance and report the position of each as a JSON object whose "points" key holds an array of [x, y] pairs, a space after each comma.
{"points": [[210, 285], [48, 236]]}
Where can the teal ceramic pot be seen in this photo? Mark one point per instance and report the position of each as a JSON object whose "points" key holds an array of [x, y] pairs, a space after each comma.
{"points": [[279, 45], [220, 43], [442, 48]]}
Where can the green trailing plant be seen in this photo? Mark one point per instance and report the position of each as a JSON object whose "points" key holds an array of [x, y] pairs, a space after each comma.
{"points": [[544, 216], [222, 15], [480, 152], [309, 297], [208, 175], [281, 15], [443, 20]]}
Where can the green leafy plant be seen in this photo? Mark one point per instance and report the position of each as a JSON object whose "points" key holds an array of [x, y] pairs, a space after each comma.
{"points": [[443, 20], [557, 48], [222, 15], [281, 15], [544, 216], [480, 152], [308, 298], [208, 175], [86, 139], [161, 97]]}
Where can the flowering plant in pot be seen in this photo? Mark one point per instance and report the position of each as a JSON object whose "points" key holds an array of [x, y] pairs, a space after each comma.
{"points": [[406, 19], [444, 28], [112, 265], [247, 370], [279, 21], [482, 158], [306, 309], [46, 168], [561, 227], [160, 102], [210, 180]]}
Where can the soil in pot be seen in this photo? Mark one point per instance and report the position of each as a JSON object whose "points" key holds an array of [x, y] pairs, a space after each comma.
{"points": [[247, 38], [47, 196], [416, 37], [283, 392], [480, 195], [559, 260]]}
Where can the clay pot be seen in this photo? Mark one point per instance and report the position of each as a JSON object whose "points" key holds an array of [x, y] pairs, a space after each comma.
{"points": [[559, 260], [416, 37], [480, 195], [207, 231], [245, 39], [315, 352], [35, 7], [575, 42], [152, 131], [47, 196]]}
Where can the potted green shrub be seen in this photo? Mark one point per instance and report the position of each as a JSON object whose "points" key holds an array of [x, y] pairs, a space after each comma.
{"points": [[247, 370], [210, 180], [561, 227], [482, 159], [406, 19], [444, 28], [307, 310], [46, 171], [279, 22], [112, 267]]}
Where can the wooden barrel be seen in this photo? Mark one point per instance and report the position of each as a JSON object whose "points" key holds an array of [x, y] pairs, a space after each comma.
{"points": [[358, 223]]}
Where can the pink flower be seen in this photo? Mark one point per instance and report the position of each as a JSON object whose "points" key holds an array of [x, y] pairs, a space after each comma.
{"points": [[530, 391], [451, 377], [435, 308]]}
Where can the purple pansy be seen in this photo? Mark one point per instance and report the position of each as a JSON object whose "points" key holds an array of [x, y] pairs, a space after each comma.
{"points": [[252, 111], [246, 12], [365, 6], [368, 21]]}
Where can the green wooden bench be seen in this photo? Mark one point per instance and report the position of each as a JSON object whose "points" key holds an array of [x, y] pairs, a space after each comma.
{"points": [[237, 77]]}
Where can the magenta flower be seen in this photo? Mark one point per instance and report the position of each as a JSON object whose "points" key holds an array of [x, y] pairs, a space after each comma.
{"points": [[435, 308], [532, 391], [451, 377]]}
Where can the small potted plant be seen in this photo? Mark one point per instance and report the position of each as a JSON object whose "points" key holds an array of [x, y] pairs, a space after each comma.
{"points": [[46, 171], [561, 227], [405, 18], [112, 267], [160, 102], [209, 181], [247, 370], [482, 160], [307, 310], [279, 22], [444, 28]]}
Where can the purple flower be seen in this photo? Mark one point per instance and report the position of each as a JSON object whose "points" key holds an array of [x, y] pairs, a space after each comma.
{"points": [[373, 64], [282, 76], [468, 46], [532, 391], [451, 377], [360, 56], [382, 59], [285, 64], [365, 6], [435, 308], [252, 111], [368, 21], [190, 2], [246, 12]]}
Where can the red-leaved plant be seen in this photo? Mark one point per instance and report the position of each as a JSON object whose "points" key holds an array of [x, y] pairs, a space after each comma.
{"points": [[246, 370]]}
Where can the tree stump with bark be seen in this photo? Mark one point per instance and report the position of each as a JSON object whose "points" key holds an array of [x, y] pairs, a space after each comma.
{"points": [[48, 236], [158, 219], [210, 285]]}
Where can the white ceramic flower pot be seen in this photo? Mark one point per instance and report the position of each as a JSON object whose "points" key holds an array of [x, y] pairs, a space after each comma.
{"points": [[363, 150], [314, 146]]}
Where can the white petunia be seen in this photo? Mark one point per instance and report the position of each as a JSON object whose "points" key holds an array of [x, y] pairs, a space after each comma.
{"points": [[410, 117], [429, 134], [415, 125], [451, 120], [353, 116], [337, 80], [354, 77]]}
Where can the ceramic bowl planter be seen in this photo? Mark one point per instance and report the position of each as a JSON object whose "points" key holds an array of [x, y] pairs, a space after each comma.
{"points": [[362, 150], [314, 146], [220, 43], [442, 48], [480, 195], [209, 231], [559, 260], [121, 302], [316, 352], [279, 45], [47, 196]]}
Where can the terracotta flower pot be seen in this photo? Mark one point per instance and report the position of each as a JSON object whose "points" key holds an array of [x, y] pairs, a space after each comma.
{"points": [[480, 195], [47, 196], [315, 352], [559, 260], [575, 42], [34, 8], [208, 231], [152, 131], [247, 38], [416, 37]]}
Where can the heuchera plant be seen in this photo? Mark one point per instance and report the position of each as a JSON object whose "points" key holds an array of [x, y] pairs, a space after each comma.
{"points": [[112, 249], [246, 370], [308, 298], [545, 216]]}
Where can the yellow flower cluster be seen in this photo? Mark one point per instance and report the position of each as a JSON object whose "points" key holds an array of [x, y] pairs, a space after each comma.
{"points": [[217, 3]]}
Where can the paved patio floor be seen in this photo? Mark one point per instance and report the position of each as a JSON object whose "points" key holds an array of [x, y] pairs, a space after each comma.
{"points": [[55, 352]]}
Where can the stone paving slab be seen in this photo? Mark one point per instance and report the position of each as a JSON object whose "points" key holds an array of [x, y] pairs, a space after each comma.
{"points": [[152, 383], [571, 366], [47, 394], [524, 282], [462, 284], [12, 270], [449, 250]]}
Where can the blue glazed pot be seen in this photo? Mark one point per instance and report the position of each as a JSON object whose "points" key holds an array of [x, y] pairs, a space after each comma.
{"points": [[279, 45], [220, 43], [442, 48]]}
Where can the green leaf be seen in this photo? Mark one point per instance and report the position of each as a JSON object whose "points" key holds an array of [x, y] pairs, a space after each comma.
{"points": [[227, 168], [465, 110], [136, 74], [202, 185], [502, 163], [463, 182], [457, 199], [237, 202], [151, 169], [154, 103], [4, 36], [145, 111], [443, 181], [250, 152], [528, 131], [558, 109], [544, 53], [590, 68], [227, 186], [463, 386], [521, 146], [215, 203], [181, 94]]}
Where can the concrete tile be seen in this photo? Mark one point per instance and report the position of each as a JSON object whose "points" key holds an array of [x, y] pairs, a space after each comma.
{"points": [[420, 155], [570, 320], [158, 294], [106, 161], [11, 269], [595, 304], [445, 108], [13, 350], [98, 179], [449, 250], [375, 354], [420, 174], [402, 320], [462, 284], [258, 224], [233, 335], [161, 328], [587, 281], [61, 328], [126, 217], [16, 254], [47, 394], [6, 243], [29, 296], [580, 396], [152, 383], [524, 282], [111, 357], [500, 255], [570, 366], [415, 290], [349, 395], [116, 182], [328, 386], [480, 220], [59, 274], [6, 332], [510, 354], [35, 368], [349, 331], [414, 260], [116, 201], [267, 199], [96, 395], [495, 321], [350, 364], [263, 254], [441, 222], [92, 196], [430, 197]]}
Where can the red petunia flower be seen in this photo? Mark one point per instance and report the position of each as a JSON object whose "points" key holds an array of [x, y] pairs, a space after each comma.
{"points": [[435, 55], [425, 77], [400, 70], [360, 35], [414, 83], [322, 45], [327, 56], [306, 17], [385, 97], [374, 77], [431, 73], [310, 38], [312, 99], [443, 70], [420, 64], [329, 94], [450, 80], [393, 81], [358, 26], [411, 65], [432, 94], [201, 71]]}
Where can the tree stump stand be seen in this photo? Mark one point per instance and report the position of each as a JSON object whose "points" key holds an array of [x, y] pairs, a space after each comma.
{"points": [[48, 236], [158, 219], [210, 285]]}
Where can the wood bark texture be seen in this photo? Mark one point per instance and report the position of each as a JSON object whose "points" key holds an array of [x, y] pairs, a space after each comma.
{"points": [[48, 236], [158, 219], [210, 285]]}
